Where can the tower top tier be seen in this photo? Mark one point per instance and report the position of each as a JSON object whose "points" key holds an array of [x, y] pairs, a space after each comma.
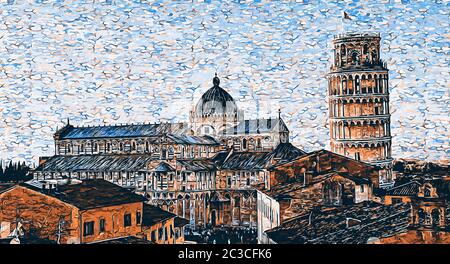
{"points": [[357, 51], [349, 35]]}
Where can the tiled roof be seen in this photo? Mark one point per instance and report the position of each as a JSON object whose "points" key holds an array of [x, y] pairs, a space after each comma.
{"points": [[89, 193], [180, 222], [344, 225], [246, 161], [261, 160], [115, 131], [132, 162], [287, 190], [124, 240], [286, 152], [192, 140], [153, 215], [197, 165], [407, 189], [6, 186]]}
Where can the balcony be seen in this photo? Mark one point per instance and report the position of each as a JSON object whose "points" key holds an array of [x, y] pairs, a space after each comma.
{"points": [[357, 35], [356, 66]]}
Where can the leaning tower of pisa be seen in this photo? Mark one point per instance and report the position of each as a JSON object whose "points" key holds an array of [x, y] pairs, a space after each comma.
{"points": [[358, 92]]}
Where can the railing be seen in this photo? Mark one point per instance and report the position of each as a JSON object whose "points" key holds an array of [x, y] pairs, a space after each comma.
{"points": [[354, 34], [365, 64]]}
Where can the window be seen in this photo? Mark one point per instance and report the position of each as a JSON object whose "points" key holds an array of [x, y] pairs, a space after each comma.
{"points": [[361, 188], [427, 191], [160, 232], [127, 220], [138, 218], [229, 182], [357, 156], [166, 234], [355, 57], [88, 228], [244, 143], [357, 84], [102, 225], [396, 200], [153, 236]]}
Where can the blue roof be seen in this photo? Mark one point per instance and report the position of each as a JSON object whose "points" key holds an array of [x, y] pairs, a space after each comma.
{"points": [[173, 132], [115, 131]]}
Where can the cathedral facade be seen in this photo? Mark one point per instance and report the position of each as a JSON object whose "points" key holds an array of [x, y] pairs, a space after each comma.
{"points": [[202, 170], [358, 91]]}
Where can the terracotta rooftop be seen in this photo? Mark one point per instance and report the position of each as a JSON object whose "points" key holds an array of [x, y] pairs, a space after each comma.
{"points": [[153, 215], [344, 225], [89, 194]]}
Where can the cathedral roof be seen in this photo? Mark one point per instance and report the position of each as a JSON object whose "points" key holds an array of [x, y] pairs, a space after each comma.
{"points": [[261, 160], [96, 163], [128, 130], [216, 101]]}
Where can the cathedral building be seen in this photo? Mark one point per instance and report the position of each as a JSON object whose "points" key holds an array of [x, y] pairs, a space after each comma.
{"points": [[358, 90], [202, 170]]}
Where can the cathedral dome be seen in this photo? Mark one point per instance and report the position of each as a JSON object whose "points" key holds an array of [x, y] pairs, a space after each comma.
{"points": [[216, 101]]}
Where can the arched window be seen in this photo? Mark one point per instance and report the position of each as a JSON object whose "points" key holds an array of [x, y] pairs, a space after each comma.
{"points": [[357, 89], [374, 56], [121, 146], [343, 54], [244, 143], [375, 77], [366, 49], [422, 216], [427, 191], [237, 201], [344, 86], [436, 217], [133, 146], [147, 147], [363, 88], [258, 143], [355, 57]]}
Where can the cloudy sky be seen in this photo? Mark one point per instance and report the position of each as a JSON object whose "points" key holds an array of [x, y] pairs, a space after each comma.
{"points": [[110, 62]]}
